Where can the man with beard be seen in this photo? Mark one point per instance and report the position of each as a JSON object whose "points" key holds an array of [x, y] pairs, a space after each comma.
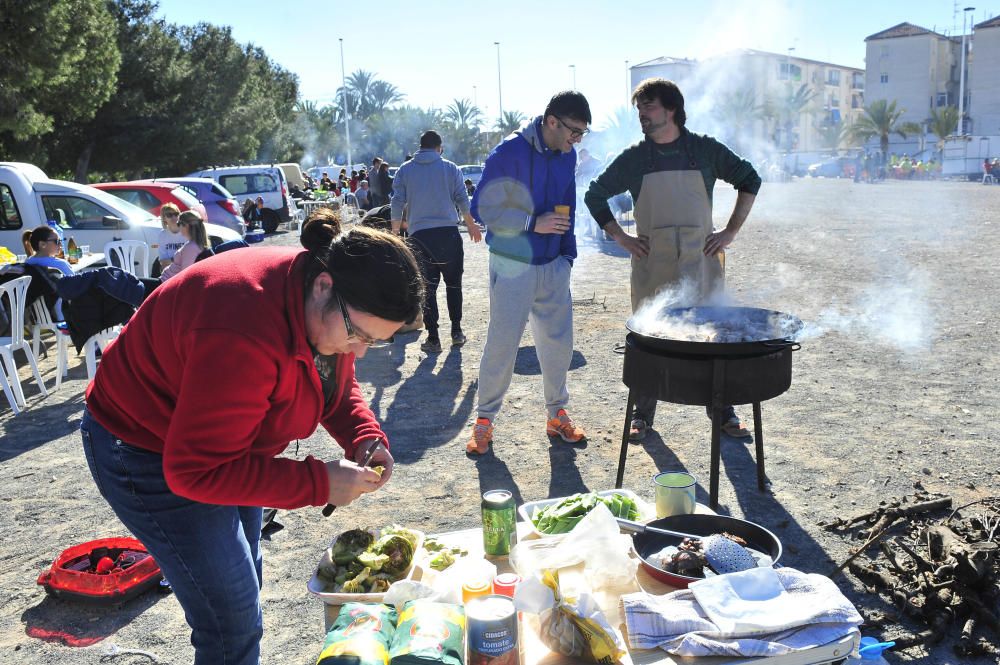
{"points": [[671, 175]]}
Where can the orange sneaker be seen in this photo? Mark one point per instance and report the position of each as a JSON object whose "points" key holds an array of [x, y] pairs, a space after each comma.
{"points": [[564, 427], [482, 437]]}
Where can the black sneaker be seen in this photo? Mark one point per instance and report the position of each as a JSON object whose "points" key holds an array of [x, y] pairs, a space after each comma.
{"points": [[458, 338], [431, 345]]}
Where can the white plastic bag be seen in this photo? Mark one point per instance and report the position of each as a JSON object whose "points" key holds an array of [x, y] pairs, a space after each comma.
{"points": [[596, 542]]}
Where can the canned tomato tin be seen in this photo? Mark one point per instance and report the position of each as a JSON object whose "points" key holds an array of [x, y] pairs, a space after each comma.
{"points": [[499, 523], [505, 583], [491, 626]]}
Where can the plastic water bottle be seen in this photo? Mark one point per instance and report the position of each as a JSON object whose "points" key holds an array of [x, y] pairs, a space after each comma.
{"points": [[871, 652]]}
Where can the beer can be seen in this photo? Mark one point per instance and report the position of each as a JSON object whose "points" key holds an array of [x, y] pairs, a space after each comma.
{"points": [[499, 523], [491, 626]]}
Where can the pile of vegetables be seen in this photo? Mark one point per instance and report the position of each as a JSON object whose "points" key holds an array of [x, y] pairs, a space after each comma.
{"points": [[358, 563], [443, 556], [561, 517]]}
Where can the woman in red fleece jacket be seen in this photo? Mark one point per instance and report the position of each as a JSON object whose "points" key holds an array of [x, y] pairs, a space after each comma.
{"points": [[216, 373]]}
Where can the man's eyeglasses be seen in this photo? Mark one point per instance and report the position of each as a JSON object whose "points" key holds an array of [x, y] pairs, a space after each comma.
{"points": [[573, 131], [354, 333]]}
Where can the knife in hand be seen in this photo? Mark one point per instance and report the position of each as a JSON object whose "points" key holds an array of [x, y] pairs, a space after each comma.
{"points": [[364, 462]]}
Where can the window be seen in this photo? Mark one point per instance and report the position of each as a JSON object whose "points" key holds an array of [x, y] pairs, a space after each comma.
{"points": [[942, 99], [883, 78], [858, 81], [885, 51], [182, 195], [834, 101], [136, 197], [855, 101], [73, 212], [250, 183], [833, 77], [835, 116], [789, 72], [10, 216]]}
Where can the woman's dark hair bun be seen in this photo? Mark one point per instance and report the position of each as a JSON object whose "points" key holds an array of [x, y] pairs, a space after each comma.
{"points": [[320, 230]]}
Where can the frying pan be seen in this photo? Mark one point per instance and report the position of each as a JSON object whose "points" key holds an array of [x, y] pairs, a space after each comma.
{"points": [[780, 329], [647, 544]]}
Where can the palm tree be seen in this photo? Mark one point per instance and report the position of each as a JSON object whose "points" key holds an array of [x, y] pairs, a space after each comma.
{"points": [[510, 121], [785, 110], [736, 111], [382, 94], [881, 119], [943, 124], [831, 134], [463, 113]]}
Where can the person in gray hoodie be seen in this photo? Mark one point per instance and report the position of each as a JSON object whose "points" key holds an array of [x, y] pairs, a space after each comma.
{"points": [[430, 190]]}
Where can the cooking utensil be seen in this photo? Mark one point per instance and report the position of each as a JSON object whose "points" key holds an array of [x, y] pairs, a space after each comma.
{"points": [[364, 462], [777, 330], [648, 543], [723, 554]]}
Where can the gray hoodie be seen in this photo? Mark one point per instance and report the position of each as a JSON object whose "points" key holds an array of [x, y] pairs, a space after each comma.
{"points": [[432, 189]]}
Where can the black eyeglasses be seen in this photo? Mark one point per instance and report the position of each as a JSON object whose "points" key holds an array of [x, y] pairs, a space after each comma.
{"points": [[354, 333], [573, 131]]}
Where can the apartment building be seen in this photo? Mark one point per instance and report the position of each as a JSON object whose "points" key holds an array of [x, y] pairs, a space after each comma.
{"points": [[836, 95], [983, 80], [915, 67]]}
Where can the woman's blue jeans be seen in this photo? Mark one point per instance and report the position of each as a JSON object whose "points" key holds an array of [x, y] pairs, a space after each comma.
{"points": [[210, 554]]}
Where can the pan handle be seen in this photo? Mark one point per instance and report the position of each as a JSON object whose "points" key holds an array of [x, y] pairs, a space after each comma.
{"points": [[783, 344], [628, 526]]}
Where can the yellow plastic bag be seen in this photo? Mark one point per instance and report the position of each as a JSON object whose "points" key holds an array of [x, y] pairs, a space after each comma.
{"points": [[6, 256], [574, 627]]}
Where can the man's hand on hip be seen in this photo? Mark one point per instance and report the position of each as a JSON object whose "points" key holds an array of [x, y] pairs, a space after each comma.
{"points": [[718, 241]]}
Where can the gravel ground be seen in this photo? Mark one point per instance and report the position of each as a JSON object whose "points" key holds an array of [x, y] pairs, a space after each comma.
{"points": [[896, 385]]}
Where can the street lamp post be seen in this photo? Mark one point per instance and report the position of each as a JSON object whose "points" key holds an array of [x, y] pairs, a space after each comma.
{"points": [[499, 87], [573, 70], [628, 86], [347, 111], [961, 78]]}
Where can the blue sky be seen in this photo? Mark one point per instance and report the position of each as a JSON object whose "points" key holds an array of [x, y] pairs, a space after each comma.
{"points": [[435, 52]]}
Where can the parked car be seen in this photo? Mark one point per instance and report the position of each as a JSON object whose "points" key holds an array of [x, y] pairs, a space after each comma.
{"points": [[293, 174], [473, 172], [249, 182], [834, 167], [150, 196], [29, 198], [222, 207]]}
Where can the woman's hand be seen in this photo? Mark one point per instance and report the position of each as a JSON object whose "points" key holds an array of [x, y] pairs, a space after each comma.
{"points": [[382, 457], [348, 481]]}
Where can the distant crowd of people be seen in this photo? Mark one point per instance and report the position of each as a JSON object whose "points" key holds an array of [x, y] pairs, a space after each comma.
{"points": [[991, 171], [371, 187]]}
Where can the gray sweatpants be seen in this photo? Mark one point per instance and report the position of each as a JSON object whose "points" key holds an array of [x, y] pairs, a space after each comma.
{"points": [[518, 290]]}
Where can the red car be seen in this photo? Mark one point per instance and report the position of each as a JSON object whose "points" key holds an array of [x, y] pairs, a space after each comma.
{"points": [[151, 195]]}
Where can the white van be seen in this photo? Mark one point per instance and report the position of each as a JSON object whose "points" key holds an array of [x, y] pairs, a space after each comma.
{"points": [[28, 198], [249, 182], [293, 174]]}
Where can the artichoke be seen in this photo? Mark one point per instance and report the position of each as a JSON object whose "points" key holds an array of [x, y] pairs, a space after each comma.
{"points": [[401, 531], [356, 584], [350, 544], [373, 561], [398, 549]]}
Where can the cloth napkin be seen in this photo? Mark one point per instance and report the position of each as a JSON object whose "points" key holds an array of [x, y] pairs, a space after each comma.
{"points": [[753, 613]]}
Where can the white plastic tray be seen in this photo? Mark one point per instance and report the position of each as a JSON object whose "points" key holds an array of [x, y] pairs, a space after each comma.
{"points": [[646, 511], [315, 586]]}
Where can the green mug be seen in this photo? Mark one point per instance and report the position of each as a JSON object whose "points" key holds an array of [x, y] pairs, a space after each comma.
{"points": [[675, 493]]}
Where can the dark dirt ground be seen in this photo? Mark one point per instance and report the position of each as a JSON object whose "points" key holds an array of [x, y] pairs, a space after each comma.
{"points": [[897, 385]]}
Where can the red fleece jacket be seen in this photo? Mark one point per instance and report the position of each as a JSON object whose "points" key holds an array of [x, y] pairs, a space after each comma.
{"points": [[215, 373]]}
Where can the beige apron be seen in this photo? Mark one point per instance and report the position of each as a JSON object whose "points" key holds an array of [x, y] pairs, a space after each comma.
{"points": [[674, 212]]}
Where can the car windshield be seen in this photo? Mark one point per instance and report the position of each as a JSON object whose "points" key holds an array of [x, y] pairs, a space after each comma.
{"points": [[184, 196], [115, 203]]}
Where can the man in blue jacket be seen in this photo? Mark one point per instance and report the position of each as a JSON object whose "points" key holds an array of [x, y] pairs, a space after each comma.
{"points": [[432, 191], [532, 248]]}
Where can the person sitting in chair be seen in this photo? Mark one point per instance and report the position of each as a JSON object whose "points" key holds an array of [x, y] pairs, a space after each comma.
{"points": [[193, 228]]}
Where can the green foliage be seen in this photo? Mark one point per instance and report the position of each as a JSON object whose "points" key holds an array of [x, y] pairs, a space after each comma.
{"points": [[881, 119], [59, 64], [785, 110], [944, 123], [511, 121], [831, 134], [736, 112]]}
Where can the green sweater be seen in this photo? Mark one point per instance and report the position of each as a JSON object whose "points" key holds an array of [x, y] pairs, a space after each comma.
{"points": [[713, 158]]}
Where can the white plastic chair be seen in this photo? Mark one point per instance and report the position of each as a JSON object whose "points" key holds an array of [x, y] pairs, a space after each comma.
{"points": [[100, 340], [126, 253], [5, 384], [41, 320], [15, 292]]}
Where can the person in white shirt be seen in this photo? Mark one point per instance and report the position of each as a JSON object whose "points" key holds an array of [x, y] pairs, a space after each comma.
{"points": [[170, 239], [193, 229]]}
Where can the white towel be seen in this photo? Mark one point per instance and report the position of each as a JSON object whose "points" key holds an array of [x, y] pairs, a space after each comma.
{"points": [[750, 614]]}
